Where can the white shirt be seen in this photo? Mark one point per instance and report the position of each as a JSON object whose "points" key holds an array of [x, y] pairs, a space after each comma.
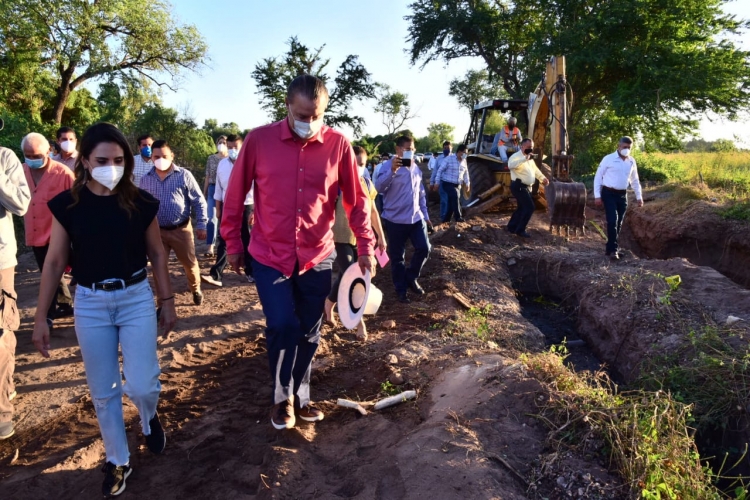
{"points": [[617, 173], [223, 171], [431, 163], [140, 168]]}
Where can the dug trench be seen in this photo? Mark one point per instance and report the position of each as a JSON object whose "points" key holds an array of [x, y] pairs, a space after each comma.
{"points": [[471, 433]]}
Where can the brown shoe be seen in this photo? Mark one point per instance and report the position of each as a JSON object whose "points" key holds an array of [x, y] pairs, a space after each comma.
{"points": [[282, 415], [310, 413]]}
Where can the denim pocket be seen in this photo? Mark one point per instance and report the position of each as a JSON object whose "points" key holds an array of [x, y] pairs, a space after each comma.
{"points": [[142, 288]]}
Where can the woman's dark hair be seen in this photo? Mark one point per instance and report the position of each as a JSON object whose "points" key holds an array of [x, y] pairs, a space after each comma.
{"points": [[125, 191]]}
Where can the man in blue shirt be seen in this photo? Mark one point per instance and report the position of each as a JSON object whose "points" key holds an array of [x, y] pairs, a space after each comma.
{"points": [[177, 192], [435, 185], [405, 217]]}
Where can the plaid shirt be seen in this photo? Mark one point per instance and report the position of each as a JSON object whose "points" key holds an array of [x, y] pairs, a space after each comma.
{"points": [[141, 168], [453, 171], [176, 194]]}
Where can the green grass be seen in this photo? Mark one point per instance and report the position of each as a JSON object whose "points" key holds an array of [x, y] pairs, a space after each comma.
{"points": [[728, 172]]}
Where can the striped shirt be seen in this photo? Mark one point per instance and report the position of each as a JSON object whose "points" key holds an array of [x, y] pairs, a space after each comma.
{"points": [[453, 171], [436, 167], [141, 168], [177, 193]]}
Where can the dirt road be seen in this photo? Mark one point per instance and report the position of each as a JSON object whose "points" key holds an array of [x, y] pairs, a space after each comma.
{"points": [[470, 433]]}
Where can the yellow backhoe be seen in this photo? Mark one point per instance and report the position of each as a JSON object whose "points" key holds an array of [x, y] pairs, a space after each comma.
{"points": [[547, 109]]}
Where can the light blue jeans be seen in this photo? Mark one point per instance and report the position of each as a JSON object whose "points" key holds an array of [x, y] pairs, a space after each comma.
{"points": [[105, 320], [212, 227]]}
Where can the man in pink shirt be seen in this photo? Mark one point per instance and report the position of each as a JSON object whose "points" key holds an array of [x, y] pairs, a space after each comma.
{"points": [[299, 166], [46, 178]]}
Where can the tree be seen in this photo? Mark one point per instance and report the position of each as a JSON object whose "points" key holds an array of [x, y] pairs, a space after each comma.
{"points": [[121, 101], [82, 40], [352, 83], [474, 88], [437, 133], [395, 109], [646, 62], [723, 146]]}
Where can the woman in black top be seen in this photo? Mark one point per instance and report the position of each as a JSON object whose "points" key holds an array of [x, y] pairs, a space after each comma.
{"points": [[111, 227]]}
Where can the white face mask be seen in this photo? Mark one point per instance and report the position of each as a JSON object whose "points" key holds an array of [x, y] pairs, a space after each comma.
{"points": [[221, 148], [107, 176], [625, 152], [162, 164], [306, 129], [68, 146], [361, 171], [234, 153]]}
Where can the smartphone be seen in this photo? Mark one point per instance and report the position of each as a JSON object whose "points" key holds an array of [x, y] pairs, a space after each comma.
{"points": [[406, 159]]}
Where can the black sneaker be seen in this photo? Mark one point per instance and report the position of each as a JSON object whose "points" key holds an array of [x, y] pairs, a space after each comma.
{"points": [[523, 234], [114, 479], [403, 298], [198, 298], [157, 440]]}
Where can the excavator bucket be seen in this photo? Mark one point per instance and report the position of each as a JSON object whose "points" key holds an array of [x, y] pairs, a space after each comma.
{"points": [[566, 203]]}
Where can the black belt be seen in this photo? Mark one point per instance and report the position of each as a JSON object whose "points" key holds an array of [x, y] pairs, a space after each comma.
{"points": [[108, 286], [519, 181], [618, 191], [178, 226]]}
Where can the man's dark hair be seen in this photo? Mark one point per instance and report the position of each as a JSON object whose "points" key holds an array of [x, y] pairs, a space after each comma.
{"points": [[63, 130], [626, 140], [309, 86], [358, 150], [161, 143], [143, 138], [403, 139], [461, 148], [446, 143], [234, 138], [527, 140]]}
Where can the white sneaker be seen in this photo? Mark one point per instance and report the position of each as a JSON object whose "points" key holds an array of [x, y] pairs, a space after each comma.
{"points": [[12, 396], [210, 280], [250, 279]]}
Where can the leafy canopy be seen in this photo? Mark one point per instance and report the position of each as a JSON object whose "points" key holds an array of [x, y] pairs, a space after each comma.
{"points": [[351, 83], [655, 63], [65, 44]]}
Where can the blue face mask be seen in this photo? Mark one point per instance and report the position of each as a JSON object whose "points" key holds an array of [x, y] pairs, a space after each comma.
{"points": [[146, 151], [446, 152], [34, 163], [233, 154]]}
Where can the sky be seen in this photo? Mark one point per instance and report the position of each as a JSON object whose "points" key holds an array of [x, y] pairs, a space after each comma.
{"points": [[241, 34]]}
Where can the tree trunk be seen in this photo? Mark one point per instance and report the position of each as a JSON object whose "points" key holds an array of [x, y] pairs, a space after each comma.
{"points": [[63, 93]]}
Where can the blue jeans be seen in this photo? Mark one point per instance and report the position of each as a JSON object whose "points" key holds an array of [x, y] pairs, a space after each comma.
{"points": [[453, 206], [615, 205], [398, 234], [443, 202], [105, 321], [525, 207], [293, 308], [212, 226]]}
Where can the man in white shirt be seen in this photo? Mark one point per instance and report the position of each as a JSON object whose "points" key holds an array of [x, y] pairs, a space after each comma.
{"points": [[143, 161], [433, 161], [223, 173], [615, 173], [523, 174]]}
